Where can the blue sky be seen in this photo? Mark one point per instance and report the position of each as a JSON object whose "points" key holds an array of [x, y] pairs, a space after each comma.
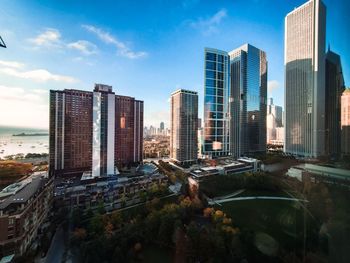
{"points": [[144, 49]]}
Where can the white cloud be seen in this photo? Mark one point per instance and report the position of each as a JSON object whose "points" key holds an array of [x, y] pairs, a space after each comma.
{"points": [[23, 107], [11, 64], [209, 25], [38, 75], [85, 47], [49, 38], [122, 48], [272, 85]]}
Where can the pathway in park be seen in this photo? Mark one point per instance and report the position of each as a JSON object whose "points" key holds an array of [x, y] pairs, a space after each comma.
{"points": [[212, 202]]}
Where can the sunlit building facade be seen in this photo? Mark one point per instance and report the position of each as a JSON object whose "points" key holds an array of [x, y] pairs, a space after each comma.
{"points": [[216, 141], [184, 126], [345, 122], [304, 57], [94, 132]]}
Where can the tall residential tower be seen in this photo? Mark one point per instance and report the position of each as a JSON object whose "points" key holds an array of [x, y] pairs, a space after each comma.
{"points": [[184, 126], [216, 141], [94, 131]]}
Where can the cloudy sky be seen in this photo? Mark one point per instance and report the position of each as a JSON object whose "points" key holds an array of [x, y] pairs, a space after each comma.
{"points": [[144, 49]]}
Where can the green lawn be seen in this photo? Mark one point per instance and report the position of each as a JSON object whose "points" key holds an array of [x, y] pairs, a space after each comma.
{"points": [[280, 219]]}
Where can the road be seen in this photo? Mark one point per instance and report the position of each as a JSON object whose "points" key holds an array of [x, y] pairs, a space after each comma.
{"points": [[56, 250]]}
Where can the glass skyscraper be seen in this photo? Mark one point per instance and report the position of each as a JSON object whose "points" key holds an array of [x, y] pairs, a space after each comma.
{"points": [[248, 71], [216, 103], [235, 101]]}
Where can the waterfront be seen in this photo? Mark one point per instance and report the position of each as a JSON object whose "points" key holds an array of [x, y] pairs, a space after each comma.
{"points": [[11, 145]]}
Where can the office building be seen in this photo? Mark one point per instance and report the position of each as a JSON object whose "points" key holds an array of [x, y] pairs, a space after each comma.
{"points": [[304, 58], [94, 131], [184, 126], [273, 123], [216, 103], [345, 123], [161, 126], [334, 90], [248, 70]]}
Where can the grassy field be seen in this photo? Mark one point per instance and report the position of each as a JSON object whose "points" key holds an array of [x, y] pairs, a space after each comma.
{"points": [[282, 220]]}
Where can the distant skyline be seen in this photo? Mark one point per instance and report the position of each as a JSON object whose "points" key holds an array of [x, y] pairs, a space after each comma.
{"points": [[145, 51]]}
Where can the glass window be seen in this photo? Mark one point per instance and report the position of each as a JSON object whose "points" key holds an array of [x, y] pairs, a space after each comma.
{"points": [[220, 67], [210, 65], [220, 75], [210, 91], [220, 108], [220, 92], [209, 107], [219, 115], [219, 123], [220, 100], [210, 56], [209, 99], [210, 82], [210, 74], [219, 131], [220, 84], [221, 58]]}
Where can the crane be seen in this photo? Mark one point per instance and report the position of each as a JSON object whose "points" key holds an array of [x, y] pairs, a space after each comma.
{"points": [[2, 43]]}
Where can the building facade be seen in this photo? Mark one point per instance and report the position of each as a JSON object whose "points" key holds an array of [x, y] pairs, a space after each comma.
{"points": [[304, 58], [94, 131], [184, 126], [345, 123], [248, 79], [274, 121], [24, 208], [128, 130], [216, 103], [334, 90]]}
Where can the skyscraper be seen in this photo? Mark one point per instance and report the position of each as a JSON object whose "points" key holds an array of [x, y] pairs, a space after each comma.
{"points": [[273, 121], [345, 123], [304, 54], [128, 130], [87, 131], [334, 90], [184, 126], [161, 126], [216, 103], [248, 69]]}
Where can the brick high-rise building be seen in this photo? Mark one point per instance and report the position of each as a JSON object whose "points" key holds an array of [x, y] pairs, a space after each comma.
{"points": [[128, 130], [94, 131]]}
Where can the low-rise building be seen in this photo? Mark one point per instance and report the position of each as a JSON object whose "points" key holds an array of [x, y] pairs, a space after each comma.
{"points": [[225, 166], [320, 173], [24, 206]]}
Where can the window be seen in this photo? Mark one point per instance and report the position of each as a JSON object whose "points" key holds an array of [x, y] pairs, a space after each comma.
{"points": [[220, 67], [210, 74], [221, 58], [210, 56], [210, 91], [210, 65], [210, 82]]}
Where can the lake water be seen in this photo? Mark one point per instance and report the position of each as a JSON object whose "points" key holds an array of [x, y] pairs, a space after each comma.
{"points": [[10, 144]]}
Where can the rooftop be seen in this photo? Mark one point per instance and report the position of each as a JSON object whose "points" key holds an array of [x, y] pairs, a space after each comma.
{"points": [[21, 192]]}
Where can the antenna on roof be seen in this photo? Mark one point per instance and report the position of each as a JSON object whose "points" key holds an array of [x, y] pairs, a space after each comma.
{"points": [[2, 43]]}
